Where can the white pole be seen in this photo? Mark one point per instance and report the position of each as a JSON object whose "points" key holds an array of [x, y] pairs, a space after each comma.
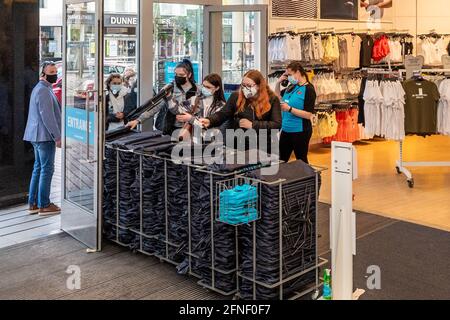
{"points": [[342, 220]]}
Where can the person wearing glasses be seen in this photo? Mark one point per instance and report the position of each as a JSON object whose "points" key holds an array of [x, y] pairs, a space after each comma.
{"points": [[43, 130], [297, 103], [209, 100], [254, 106]]}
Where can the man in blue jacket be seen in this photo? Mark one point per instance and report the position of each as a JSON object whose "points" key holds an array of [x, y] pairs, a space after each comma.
{"points": [[43, 130]]}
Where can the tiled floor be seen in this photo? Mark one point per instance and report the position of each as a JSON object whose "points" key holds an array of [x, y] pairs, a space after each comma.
{"points": [[17, 226], [380, 190]]}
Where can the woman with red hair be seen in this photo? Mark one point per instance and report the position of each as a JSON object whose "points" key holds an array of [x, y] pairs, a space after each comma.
{"points": [[253, 106]]}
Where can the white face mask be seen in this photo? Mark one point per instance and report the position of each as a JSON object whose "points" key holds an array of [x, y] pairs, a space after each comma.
{"points": [[249, 93], [116, 88]]}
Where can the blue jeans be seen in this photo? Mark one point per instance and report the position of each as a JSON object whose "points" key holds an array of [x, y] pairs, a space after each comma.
{"points": [[41, 180]]}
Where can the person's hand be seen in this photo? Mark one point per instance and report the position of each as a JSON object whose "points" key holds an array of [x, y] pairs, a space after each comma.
{"points": [[285, 107], [245, 124], [133, 124], [184, 117], [205, 122], [363, 4], [58, 144], [120, 115], [282, 78]]}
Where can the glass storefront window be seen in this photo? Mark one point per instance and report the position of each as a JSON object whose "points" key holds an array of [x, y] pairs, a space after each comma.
{"points": [[238, 45], [177, 35], [50, 46], [121, 23], [120, 43]]}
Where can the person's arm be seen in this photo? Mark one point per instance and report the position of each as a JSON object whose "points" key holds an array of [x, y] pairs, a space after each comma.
{"points": [[275, 117], [363, 4], [112, 118], [226, 113], [149, 114], [385, 4], [278, 85], [45, 106]]}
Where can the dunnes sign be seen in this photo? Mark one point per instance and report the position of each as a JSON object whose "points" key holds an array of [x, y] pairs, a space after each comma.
{"points": [[121, 20]]}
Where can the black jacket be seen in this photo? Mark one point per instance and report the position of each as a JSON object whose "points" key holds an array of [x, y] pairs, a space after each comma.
{"points": [[269, 120]]}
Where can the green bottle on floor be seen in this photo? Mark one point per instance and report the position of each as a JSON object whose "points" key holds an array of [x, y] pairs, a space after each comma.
{"points": [[327, 284]]}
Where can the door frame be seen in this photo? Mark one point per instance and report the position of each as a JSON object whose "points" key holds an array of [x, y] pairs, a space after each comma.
{"points": [[73, 216], [207, 37]]}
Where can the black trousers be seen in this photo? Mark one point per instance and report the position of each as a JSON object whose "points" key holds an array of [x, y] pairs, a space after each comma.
{"points": [[297, 142]]}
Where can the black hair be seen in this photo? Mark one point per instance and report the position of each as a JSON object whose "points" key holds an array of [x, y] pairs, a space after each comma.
{"points": [[297, 66], [110, 78], [46, 64], [186, 64], [216, 81]]}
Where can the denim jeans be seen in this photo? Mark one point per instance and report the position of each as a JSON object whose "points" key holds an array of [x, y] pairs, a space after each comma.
{"points": [[41, 179]]}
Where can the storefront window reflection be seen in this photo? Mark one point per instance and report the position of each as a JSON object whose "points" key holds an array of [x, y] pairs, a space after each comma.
{"points": [[178, 34], [120, 36], [238, 45], [51, 39]]}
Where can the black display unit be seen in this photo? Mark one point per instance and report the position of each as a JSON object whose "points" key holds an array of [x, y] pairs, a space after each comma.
{"points": [[339, 9]]}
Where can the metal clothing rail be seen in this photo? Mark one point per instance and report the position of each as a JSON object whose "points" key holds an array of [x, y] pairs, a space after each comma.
{"points": [[401, 164], [167, 246]]}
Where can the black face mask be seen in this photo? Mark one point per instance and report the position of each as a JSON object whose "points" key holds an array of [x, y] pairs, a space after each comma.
{"points": [[180, 80], [52, 78]]}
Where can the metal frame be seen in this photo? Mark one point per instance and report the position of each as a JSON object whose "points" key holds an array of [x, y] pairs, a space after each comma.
{"points": [[401, 164], [214, 270], [75, 219], [208, 37], [320, 262]]}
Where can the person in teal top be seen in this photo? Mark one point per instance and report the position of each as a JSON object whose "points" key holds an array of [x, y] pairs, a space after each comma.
{"points": [[297, 105]]}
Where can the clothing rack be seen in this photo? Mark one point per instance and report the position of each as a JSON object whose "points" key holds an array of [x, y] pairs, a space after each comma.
{"points": [[401, 164], [433, 34], [281, 68]]}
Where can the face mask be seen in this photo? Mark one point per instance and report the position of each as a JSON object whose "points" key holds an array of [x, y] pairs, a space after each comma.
{"points": [[180, 80], [206, 93], [52, 78], [292, 80], [249, 93], [115, 88]]}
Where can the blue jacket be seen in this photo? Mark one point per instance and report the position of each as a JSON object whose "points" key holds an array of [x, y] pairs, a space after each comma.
{"points": [[44, 116]]}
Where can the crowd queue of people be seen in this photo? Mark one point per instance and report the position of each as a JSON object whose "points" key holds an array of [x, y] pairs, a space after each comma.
{"points": [[253, 106]]}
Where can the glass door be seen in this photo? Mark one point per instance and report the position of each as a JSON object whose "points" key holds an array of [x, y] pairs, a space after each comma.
{"points": [[235, 42], [177, 35], [83, 121]]}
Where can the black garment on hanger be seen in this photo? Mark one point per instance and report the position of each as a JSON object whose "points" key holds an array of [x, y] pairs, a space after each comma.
{"points": [[361, 102], [366, 50]]}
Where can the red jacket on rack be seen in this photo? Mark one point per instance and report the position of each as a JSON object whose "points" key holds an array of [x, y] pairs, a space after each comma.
{"points": [[380, 48]]}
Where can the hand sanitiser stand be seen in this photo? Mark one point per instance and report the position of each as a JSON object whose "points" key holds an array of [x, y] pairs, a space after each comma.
{"points": [[342, 219]]}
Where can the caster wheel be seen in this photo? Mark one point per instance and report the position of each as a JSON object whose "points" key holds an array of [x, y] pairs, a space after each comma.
{"points": [[398, 170], [411, 183]]}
